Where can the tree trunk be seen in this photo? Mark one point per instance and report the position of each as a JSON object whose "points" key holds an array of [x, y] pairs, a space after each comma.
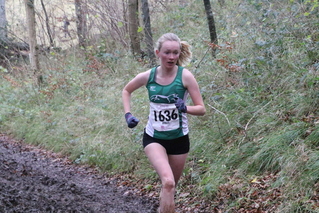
{"points": [[211, 25], [47, 24], [81, 23], [3, 21], [133, 27], [34, 60], [125, 16], [148, 32], [3, 34]]}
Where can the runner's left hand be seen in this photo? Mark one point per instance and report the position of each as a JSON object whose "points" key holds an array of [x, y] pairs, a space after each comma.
{"points": [[180, 105]]}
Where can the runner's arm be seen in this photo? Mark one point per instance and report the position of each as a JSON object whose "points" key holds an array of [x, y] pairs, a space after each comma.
{"points": [[137, 82], [198, 107]]}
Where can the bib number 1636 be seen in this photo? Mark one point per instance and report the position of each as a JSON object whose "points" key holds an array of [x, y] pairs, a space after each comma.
{"points": [[166, 115]]}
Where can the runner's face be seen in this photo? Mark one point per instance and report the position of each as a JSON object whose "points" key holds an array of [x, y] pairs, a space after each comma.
{"points": [[169, 53]]}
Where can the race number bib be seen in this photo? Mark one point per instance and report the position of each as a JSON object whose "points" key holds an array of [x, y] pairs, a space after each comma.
{"points": [[164, 117]]}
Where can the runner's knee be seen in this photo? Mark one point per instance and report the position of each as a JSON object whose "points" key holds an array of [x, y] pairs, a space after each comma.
{"points": [[168, 184]]}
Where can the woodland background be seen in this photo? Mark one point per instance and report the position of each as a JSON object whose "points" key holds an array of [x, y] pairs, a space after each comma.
{"points": [[256, 149]]}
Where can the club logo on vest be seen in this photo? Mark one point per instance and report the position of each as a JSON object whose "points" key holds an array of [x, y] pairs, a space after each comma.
{"points": [[168, 99]]}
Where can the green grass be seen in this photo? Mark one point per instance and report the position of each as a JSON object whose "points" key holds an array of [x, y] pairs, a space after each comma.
{"points": [[261, 120]]}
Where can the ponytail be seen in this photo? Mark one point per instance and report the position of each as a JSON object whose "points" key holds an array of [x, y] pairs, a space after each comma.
{"points": [[185, 55]]}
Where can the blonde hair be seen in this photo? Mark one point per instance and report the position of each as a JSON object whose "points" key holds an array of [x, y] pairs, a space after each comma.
{"points": [[185, 55]]}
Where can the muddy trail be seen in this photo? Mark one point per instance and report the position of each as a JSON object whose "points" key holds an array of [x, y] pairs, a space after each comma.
{"points": [[33, 180]]}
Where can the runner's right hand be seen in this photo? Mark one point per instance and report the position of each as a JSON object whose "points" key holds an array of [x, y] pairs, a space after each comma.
{"points": [[131, 120]]}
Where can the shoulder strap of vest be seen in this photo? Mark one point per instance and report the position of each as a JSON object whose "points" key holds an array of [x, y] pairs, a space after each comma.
{"points": [[180, 72], [152, 75]]}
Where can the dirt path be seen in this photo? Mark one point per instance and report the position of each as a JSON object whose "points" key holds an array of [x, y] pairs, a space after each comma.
{"points": [[32, 180]]}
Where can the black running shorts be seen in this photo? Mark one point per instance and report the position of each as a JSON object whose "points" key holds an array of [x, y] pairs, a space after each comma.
{"points": [[176, 146]]}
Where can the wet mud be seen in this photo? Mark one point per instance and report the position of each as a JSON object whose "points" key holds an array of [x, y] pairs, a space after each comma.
{"points": [[33, 180]]}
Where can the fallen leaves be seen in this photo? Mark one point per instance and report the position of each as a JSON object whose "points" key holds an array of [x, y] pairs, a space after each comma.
{"points": [[254, 196], [186, 199]]}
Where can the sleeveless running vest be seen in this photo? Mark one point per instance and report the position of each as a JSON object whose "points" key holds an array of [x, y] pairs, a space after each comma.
{"points": [[165, 121]]}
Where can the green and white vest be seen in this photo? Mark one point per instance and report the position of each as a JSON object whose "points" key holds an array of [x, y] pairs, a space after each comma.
{"points": [[164, 121]]}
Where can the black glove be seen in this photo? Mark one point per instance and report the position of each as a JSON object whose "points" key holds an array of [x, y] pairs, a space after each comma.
{"points": [[131, 120], [180, 105]]}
